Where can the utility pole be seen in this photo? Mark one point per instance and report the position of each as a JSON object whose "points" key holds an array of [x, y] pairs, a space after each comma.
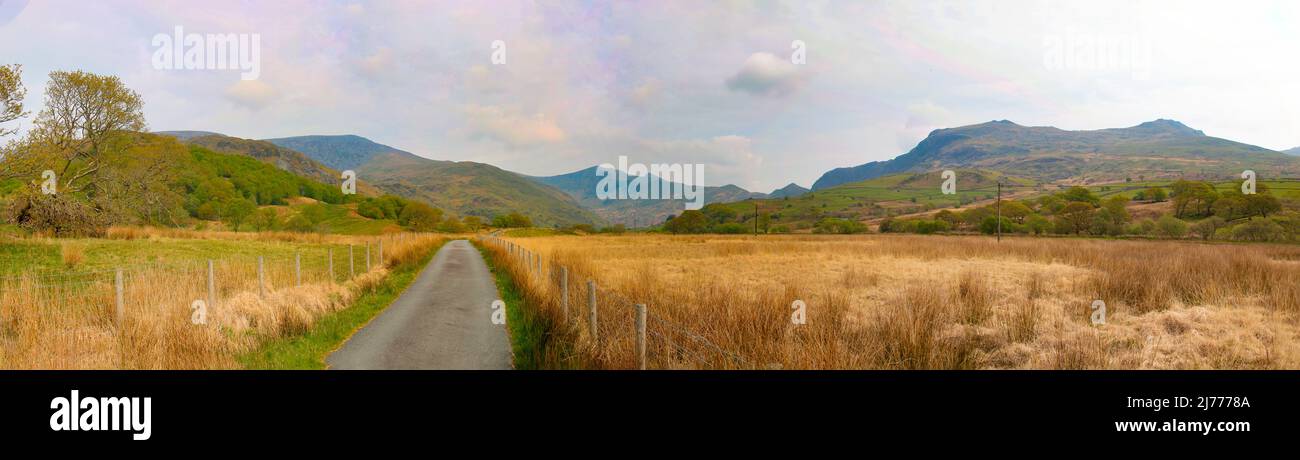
{"points": [[755, 218], [999, 209]]}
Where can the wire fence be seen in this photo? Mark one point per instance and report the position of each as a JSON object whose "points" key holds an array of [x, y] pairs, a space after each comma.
{"points": [[146, 305], [612, 326]]}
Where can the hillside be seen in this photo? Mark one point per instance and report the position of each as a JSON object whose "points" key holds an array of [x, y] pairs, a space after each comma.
{"points": [[1294, 151], [892, 195], [581, 185], [284, 158], [1156, 149], [465, 188], [186, 135]]}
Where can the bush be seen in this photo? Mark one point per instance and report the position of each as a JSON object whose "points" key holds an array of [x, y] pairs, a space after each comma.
{"points": [[1169, 226], [57, 215], [839, 226]]}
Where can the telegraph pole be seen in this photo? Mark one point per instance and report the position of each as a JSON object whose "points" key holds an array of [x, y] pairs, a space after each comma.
{"points": [[755, 218], [999, 209]]}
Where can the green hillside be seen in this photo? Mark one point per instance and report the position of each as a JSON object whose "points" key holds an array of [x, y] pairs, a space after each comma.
{"points": [[464, 188], [891, 195], [1163, 149]]}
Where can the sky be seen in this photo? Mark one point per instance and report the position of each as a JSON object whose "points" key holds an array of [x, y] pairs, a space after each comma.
{"points": [[713, 83]]}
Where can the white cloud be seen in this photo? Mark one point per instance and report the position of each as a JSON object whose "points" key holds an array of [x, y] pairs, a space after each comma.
{"points": [[765, 74]]}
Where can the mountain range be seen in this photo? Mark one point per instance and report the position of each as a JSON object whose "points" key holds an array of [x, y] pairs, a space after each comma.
{"points": [[1155, 149]]}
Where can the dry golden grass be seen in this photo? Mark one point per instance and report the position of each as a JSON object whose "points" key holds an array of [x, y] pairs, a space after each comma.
{"points": [[69, 322], [920, 302]]}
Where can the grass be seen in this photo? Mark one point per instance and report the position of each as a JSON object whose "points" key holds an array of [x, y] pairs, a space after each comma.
{"points": [[308, 350], [918, 302], [55, 318], [528, 330]]}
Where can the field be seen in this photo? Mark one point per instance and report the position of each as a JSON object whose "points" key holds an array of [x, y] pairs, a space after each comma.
{"points": [[912, 302], [59, 307]]}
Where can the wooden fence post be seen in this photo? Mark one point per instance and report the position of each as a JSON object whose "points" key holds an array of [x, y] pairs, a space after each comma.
{"points": [[331, 265], [591, 310], [261, 277], [381, 252], [564, 295], [367, 256], [121, 302], [352, 269], [297, 269], [640, 335]]}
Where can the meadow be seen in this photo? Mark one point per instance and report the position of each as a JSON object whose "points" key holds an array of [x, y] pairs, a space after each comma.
{"points": [[59, 297], [910, 302]]}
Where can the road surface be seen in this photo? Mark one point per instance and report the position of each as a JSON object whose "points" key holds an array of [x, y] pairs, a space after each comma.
{"points": [[442, 321]]}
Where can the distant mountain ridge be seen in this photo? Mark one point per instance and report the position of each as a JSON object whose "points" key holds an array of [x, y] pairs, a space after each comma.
{"points": [[1294, 151], [464, 187], [581, 185], [791, 190], [1160, 148]]}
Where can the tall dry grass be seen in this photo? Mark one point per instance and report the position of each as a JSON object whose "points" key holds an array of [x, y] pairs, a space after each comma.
{"points": [[917, 302], [70, 321]]}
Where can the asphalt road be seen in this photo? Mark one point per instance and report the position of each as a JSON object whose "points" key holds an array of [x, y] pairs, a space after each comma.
{"points": [[442, 321]]}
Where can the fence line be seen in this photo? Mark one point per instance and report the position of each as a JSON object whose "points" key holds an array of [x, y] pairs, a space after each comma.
{"points": [[653, 334]]}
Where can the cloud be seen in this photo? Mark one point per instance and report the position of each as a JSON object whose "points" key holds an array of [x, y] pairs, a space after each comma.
{"points": [[512, 127], [764, 74], [251, 94]]}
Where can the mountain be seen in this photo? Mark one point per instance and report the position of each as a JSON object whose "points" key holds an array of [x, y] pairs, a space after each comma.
{"points": [[464, 187], [791, 190], [284, 158], [1294, 151], [1155, 149], [343, 152], [581, 185]]}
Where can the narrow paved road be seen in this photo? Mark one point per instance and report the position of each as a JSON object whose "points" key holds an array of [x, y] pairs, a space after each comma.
{"points": [[442, 321]]}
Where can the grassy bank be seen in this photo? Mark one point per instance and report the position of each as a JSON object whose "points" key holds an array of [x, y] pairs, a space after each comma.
{"points": [[530, 332], [308, 350]]}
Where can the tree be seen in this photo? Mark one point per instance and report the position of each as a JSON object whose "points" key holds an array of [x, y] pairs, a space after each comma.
{"points": [[266, 219], [238, 211], [86, 117], [473, 223], [420, 217], [514, 220], [12, 93], [1169, 226], [1037, 224], [1262, 204], [690, 221], [1075, 217], [1016, 211], [1079, 194], [451, 225], [1207, 227]]}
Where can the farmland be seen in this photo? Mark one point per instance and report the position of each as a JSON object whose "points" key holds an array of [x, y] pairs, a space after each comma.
{"points": [[914, 302], [59, 306]]}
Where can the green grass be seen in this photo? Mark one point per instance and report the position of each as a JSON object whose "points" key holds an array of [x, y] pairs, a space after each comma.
{"points": [[103, 254], [308, 350], [339, 219], [529, 332], [528, 232], [901, 193]]}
